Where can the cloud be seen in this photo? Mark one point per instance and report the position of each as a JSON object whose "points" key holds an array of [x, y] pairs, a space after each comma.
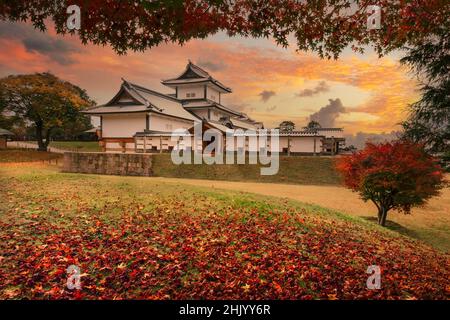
{"points": [[35, 41], [266, 95], [210, 65], [322, 86], [270, 109], [367, 85], [327, 115]]}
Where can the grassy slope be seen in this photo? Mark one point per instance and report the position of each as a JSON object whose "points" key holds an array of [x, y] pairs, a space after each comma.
{"points": [[297, 170], [429, 223], [292, 170], [23, 155], [136, 238], [431, 227], [81, 146]]}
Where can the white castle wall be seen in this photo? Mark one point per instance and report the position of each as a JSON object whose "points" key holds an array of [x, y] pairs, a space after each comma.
{"points": [[122, 126]]}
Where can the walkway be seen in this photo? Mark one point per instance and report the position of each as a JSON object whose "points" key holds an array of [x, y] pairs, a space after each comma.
{"points": [[28, 145]]}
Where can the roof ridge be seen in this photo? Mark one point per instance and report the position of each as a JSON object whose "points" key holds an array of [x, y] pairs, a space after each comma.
{"points": [[123, 87], [202, 73], [154, 91], [147, 103], [199, 68], [189, 66]]}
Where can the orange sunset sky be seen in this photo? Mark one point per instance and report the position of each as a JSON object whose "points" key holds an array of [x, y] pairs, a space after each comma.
{"points": [[270, 83]]}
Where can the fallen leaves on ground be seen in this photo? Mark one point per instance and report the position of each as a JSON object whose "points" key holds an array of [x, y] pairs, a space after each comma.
{"points": [[152, 241]]}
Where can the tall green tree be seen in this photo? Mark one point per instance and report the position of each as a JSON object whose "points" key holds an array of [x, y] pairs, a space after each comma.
{"points": [[429, 118], [313, 125], [287, 126], [45, 101]]}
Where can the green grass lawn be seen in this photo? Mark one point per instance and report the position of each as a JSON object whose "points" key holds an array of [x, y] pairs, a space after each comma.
{"points": [[294, 169], [136, 237], [23, 155], [81, 146]]}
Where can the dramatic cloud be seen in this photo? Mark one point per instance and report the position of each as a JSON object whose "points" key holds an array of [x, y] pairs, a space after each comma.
{"points": [[322, 86], [375, 91], [270, 109], [212, 66], [266, 95], [327, 115], [36, 41]]}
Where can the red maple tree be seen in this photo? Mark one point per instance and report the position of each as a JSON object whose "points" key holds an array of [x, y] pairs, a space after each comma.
{"points": [[326, 27], [393, 175]]}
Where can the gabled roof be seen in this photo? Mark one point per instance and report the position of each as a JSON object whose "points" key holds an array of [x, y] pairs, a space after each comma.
{"points": [[146, 90], [193, 71], [243, 124], [144, 100], [217, 125], [206, 103], [106, 109], [194, 74]]}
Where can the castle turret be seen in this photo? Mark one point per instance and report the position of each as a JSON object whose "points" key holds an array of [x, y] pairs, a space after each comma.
{"points": [[196, 84]]}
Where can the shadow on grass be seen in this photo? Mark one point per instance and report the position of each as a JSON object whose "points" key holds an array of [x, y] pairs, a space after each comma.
{"points": [[395, 227]]}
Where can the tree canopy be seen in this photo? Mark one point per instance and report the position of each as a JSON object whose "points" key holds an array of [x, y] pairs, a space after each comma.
{"points": [[326, 26], [429, 118], [44, 100], [313, 125], [397, 175], [287, 126]]}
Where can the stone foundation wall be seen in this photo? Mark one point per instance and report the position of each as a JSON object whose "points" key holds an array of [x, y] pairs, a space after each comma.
{"points": [[123, 164]]}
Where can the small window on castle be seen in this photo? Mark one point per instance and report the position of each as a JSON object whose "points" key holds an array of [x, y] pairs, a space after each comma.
{"points": [[190, 95]]}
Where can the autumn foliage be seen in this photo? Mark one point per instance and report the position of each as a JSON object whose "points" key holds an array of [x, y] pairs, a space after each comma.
{"points": [[136, 238], [393, 175], [326, 27], [46, 102]]}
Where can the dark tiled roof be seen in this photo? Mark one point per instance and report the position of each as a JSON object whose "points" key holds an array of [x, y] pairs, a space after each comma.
{"points": [[104, 109], [195, 74], [205, 103], [143, 103]]}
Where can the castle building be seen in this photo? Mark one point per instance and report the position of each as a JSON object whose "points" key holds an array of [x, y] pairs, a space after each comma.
{"points": [[138, 119]]}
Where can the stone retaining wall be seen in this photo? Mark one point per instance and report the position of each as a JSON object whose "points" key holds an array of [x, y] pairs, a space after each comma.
{"points": [[123, 164]]}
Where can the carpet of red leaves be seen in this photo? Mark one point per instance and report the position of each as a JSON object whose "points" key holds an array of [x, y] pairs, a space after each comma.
{"points": [[185, 248]]}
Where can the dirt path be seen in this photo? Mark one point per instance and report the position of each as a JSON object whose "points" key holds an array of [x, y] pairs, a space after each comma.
{"points": [[338, 198], [28, 145], [430, 223]]}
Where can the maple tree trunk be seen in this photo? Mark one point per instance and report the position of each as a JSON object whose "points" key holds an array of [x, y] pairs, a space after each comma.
{"points": [[382, 214], [42, 145], [40, 140]]}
